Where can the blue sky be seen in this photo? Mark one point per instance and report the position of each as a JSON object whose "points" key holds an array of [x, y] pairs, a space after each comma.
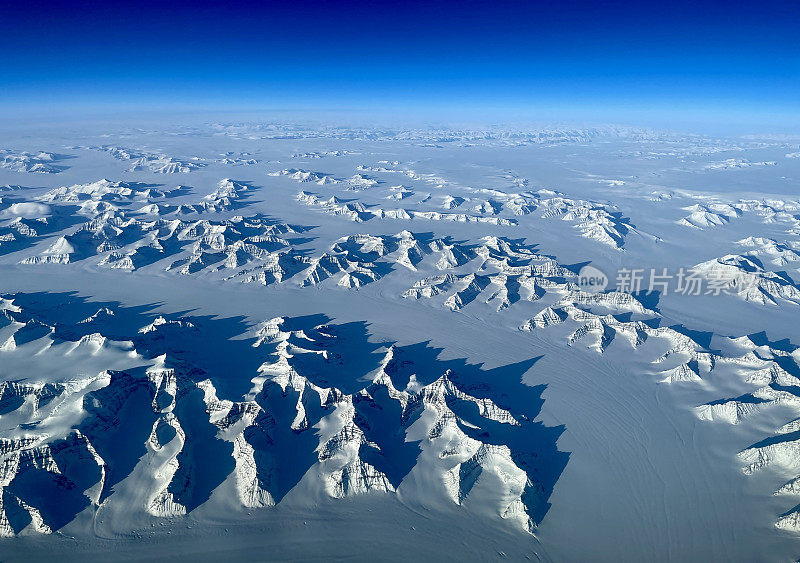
{"points": [[580, 57]]}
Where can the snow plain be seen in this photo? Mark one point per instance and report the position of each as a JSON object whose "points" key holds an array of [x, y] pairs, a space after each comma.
{"points": [[299, 341]]}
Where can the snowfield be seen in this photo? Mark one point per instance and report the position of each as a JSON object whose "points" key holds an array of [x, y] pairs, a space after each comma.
{"points": [[296, 340]]}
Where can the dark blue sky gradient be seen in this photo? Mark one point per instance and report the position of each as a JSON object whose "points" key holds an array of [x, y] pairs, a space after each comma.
{"points": [[698, 56]]}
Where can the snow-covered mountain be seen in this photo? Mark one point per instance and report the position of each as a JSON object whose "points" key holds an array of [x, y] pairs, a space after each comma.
{"points": [[317, 341]]}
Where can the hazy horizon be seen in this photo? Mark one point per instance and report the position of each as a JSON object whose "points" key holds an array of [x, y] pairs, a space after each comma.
{"points": [[695, 66]]}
